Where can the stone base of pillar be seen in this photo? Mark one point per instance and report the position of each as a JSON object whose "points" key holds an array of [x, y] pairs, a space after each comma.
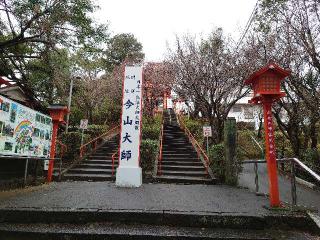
{"points": [[129, 177]]}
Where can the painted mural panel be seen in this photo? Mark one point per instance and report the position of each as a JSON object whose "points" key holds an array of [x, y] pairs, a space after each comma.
{"points": [[23, 131]]}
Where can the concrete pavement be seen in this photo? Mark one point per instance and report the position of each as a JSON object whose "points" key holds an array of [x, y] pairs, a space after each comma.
{"points": [[86, 209], [159, 197]]}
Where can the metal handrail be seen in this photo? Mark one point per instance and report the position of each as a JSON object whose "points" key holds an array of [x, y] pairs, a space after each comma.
{"points": [[113, 159], [293, 161], [95, 140], [195, 144], [304, 167], [3, 156], [161, 146]]}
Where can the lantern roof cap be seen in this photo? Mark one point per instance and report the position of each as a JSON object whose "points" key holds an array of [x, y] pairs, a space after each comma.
{"points": [[271, 66]]}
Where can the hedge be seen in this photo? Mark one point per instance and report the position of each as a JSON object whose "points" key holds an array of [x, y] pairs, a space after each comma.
{"points": [[148, 152], [216, 157], [247, 148], [195, 126], [149, 148], [96, 130]]}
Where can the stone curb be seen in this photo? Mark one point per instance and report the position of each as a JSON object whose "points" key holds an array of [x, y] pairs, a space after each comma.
{"points": [[297, 221]]}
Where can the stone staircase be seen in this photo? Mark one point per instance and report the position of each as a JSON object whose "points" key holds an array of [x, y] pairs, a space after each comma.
{"points": [[85, 224], [97, 166], [180, 162]]}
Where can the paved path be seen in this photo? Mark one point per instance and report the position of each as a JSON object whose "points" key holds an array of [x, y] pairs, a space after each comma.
{"points": [[305, 196], [169, 197]]}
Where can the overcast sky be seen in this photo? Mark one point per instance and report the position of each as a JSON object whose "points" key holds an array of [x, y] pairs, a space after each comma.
{"points": [[155, 22]]}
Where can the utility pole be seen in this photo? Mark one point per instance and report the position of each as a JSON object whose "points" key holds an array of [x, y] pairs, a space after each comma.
{"points": [[69, 102]]}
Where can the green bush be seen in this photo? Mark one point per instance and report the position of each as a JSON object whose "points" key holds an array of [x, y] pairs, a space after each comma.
{"points": [[247, 148], [151, 128], [96, 130], [148, 154], [283, 145], [216, 157], [195, 126], [73, 142], [311, 158], [151, 132]]}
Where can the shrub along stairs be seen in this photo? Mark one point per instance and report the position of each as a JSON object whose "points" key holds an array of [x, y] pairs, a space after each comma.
{"points": [[180, 162], [97, 166]]}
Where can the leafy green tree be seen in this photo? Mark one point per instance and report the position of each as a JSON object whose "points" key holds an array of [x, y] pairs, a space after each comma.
{"points": [[123, 46], [32, 29]]}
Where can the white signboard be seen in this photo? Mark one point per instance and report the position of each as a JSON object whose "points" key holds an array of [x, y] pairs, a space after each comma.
{"points": [[207, 132], [46, 165], [129, 172], [23, 131], [84, 124]]}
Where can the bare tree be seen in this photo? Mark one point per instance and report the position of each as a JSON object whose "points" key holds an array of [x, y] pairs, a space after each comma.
{"points": [[158, 78], [209, 73], [288, 32]]}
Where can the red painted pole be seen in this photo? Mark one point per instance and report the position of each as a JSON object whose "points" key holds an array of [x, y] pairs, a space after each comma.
{"points": [[165, 100], [271, 153], [52, 149]]}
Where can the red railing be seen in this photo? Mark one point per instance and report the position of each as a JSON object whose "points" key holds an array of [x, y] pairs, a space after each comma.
{"points": [[160, 147], [94, 142], [113, 160], [195, 143]]}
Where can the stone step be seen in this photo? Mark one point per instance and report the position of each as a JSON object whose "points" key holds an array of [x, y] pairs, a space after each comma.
{"points": [[179, 155], [179, 151], [175, 135], [109, 153], [174, 139], [107, 149], [174, 132], [179, 160], [84, 215], [172, 142], [181, 163], [108, 230], [100, 157], [184, 179], [86, 177], [171, 147], [184, 168], [89, 171], [184, 173], [98, 161], [94, 165]]}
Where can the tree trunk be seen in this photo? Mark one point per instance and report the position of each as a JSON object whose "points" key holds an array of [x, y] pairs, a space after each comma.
{"points": [[259, 135]]}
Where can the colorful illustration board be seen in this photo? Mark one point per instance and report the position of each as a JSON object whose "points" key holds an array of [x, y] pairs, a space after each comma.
{"points": [[23, 131]]}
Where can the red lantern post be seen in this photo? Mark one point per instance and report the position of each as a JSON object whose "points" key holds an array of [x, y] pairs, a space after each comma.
{"points": [[266, 90], [57, 113]]}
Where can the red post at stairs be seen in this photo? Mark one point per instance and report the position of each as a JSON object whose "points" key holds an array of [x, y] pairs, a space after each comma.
{"points": [[266, 90], [57, 113], [271, 153]]}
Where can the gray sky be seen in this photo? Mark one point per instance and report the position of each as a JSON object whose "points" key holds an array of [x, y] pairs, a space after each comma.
{"points": [[155, 22]]}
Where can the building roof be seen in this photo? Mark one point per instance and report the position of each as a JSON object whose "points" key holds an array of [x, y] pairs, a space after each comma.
{"points": [[21, 94]]}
